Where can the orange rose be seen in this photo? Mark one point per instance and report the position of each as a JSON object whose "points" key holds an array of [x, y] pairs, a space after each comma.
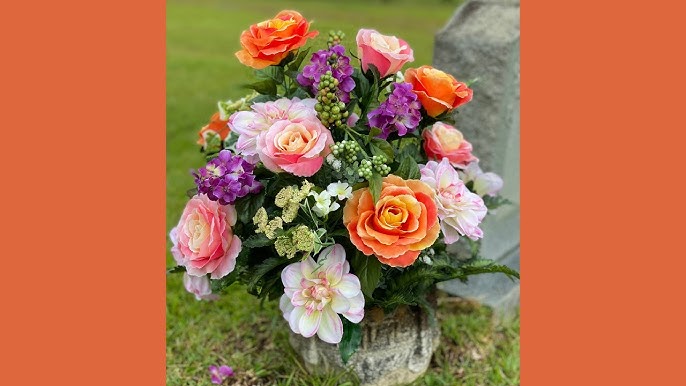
{"points": [[268, 42], [400, 225], [438, 91], [217, 126]]}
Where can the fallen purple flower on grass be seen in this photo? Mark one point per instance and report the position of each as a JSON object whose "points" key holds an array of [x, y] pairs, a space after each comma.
{"points": [[219, 374]]}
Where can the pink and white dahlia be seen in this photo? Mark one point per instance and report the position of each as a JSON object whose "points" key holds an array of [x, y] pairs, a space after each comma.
{"points": [[315, 293], [460, 211], [249, 124]]}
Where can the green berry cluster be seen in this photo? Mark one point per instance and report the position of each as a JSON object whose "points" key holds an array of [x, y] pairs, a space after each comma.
{"points": [[346, 150], [377, 162], [330, 110], [335, 38]]}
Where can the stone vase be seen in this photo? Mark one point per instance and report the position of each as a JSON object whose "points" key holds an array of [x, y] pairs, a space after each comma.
{"points": [[396, 348]]}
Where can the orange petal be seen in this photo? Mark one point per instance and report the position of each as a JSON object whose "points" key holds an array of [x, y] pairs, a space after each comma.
{"points": [[403, 260], [428, 240]]}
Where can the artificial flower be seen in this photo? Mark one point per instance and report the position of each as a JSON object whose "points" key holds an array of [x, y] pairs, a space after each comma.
{"points": [[398, 226], [199, 286], [315, 293], [227, 178], [322, 203], [217, 126], [444, 141], [341, 190], [334, 60], [250, 124], [298, 148], [439, 92], [484, 184], [387, 53], [219, 374], [203, 240], [459, 210], [269, 42], [399, 113]]}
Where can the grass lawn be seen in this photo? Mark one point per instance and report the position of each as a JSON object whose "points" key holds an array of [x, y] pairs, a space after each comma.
{"points": [[237, 330]]}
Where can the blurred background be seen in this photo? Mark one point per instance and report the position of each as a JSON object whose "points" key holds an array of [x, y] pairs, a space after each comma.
{"points": [[202, 37]]}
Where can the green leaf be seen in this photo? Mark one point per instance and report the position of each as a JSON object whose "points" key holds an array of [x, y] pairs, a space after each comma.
{"points": [[263, 269], [352, 337], [247, 206], [381, 147], [177, 269], [264, 87], [219, 284], [408, 169], [368, 270], [375, 184], [488, 266], [274, 73], [295, 65], [373, 132], [493, 202], [257, 241], [191, 192]]}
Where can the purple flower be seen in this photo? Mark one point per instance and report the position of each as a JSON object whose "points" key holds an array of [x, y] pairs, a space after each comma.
{"points": [[227, 178], [219, 374], [334, 60], [400, 112]]}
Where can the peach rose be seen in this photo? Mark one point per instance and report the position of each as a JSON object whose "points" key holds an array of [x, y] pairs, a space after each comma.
{"points": [[216, 126], [387, 53], [444, 141], [269, 42], [438, 91], [203, 241], [400, 225], [298, 148]]}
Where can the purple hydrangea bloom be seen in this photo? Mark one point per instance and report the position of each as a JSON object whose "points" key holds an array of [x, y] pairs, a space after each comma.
{"points": [[227, 178], [400, 112], [334, 60], [219, 374]]}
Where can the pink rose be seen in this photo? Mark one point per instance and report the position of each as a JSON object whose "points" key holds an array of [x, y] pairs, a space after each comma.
{"points": [[460, 211], [442, 140], [388, 53], [203, 240], [199, 286], [249, 124], [298, 148]]}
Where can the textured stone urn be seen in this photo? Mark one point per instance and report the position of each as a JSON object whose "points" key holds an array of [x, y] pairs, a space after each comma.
{"points": [[396, 348]]}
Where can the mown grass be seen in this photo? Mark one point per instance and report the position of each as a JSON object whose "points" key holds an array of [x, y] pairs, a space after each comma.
{"points": [[237, 330]]}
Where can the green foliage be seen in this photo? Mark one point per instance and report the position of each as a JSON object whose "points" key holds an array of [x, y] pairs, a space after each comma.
{"points": [[368, 270], [493, 202], [264, 87], [375, 185], [380, 147], [256, 241], [220, 284], [176, 269], [247, 206], [262, 276], [352, 337], [408, 169]]}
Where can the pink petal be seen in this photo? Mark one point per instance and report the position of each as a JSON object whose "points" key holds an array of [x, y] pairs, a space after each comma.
{"points": [[331, 327], [349, 286], [309, 324]]}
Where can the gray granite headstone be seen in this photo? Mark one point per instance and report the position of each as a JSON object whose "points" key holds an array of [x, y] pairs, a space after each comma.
{"points": [[482, 41]]}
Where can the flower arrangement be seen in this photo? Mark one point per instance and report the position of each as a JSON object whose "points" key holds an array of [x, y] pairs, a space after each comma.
{"points": [[336, 185]]}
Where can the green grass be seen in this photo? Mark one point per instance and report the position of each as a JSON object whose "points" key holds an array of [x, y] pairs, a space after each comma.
{"points": [[236, 330]]}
